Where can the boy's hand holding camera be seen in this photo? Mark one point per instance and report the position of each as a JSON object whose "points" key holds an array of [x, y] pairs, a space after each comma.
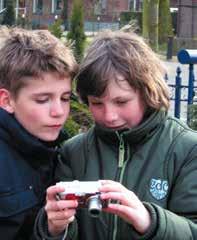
{"points": [[59, 213], [125, 204]]}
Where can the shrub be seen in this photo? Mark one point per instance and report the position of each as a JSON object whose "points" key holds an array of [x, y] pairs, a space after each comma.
{"points": [[76, 33], [80, 118], [55, 28], [193, 116]]}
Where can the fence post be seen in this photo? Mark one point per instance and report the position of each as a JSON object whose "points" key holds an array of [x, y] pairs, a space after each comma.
{"points": [[177, 107], [190, 90], [191, 84]]}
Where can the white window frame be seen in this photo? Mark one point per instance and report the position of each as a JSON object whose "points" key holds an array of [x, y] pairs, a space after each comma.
{"points": [[35, 2], [34, 6], [1, 5], [53, 6]]}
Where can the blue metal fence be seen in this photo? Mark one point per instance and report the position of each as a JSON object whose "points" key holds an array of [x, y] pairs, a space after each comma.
{"points": [[189, 57]]}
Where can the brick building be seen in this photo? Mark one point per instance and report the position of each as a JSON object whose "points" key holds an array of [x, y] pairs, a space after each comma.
{"points": [[41, 13], [187, 19], [44, 12]]}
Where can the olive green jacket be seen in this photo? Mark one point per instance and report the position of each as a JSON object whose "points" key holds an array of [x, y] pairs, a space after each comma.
{"points": [[156, 160]]}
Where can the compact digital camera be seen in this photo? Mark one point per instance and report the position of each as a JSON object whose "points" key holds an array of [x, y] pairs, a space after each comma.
{"points": [[86, 193]]}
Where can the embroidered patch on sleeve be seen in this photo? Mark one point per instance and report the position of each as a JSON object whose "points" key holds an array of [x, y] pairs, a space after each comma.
{"points": [[158, 188]]}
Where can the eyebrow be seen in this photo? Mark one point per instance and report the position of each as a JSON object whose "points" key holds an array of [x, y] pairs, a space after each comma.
{"points": [[50, 93], [116, 97]]}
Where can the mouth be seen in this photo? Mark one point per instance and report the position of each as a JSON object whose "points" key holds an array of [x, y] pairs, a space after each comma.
{"points": [[55, 126], [116, 127]]}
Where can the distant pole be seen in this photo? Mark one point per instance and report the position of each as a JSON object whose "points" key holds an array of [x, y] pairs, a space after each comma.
{"points": [[23, 20], [98, 21], [169, 48]]}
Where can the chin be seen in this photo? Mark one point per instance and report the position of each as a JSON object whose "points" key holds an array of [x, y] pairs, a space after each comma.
{"points": [[49, 138]]}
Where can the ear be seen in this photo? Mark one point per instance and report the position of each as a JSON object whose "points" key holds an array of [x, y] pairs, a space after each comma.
{"points": [[6, 100]]}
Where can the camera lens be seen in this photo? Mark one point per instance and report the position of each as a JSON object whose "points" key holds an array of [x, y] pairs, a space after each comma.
{"points": [[94, 206]]}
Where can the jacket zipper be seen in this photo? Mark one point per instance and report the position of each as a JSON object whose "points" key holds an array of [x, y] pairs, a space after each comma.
{"points": [[121, 152], [121, 166]]}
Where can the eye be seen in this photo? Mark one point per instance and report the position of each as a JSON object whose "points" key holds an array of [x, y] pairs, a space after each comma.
{"points": [[41, 101], [96, 103], [65, 99], [121, 102]]}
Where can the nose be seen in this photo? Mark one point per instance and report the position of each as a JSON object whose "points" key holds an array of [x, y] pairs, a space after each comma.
{"points": [[57, 109], [110, 115]]}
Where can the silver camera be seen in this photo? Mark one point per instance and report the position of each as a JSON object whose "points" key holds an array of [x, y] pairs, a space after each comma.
{"points": [[86, 193]]}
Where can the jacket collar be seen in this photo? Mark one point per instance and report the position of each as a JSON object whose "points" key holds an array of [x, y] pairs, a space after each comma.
{"points": [[16, 136], [136, 135]]}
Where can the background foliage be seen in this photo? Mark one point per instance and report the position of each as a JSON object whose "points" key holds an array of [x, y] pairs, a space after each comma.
{"points": [[193, 116], [157, 22], [80, 118], [165, 21], [76, 33], [56, 29]]}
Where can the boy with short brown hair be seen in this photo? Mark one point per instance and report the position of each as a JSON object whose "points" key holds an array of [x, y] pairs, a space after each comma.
{"points": [[36, 70]]}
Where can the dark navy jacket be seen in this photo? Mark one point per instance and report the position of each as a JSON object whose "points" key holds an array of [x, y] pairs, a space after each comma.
{"points": [[26, 170]]}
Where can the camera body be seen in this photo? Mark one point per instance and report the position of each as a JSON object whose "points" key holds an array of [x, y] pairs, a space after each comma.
{"points": [[86, 193]]}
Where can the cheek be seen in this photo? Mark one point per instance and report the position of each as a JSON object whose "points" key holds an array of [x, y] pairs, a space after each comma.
{"points": [[66, 112], [132, 113], [96, 113], [32, 118], [34, 115], [137, 115]]}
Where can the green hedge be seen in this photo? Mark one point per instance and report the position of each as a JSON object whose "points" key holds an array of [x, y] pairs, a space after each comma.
{"points": [[193, 116], [79, 120]]}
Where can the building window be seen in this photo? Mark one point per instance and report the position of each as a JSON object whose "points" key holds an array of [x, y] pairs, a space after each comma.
{"points": [[57, 6], [104, 4], [37, 6], [135, 5], [22, 3], [2, 5], [100, 7]]}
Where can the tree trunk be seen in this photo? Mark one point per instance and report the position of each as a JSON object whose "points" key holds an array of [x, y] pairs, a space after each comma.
{"points": [[165, 21], [153, 23], [145, 21]]}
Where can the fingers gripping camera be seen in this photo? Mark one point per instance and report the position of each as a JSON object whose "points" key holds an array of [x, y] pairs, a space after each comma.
{"points": [[86, 193]]}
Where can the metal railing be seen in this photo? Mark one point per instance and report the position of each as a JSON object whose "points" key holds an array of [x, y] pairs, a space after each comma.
{"points": [[185, 56]]}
